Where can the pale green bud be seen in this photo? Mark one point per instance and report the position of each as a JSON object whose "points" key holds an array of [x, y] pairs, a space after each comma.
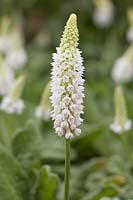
{"points": [[130, 16], [121, 121], [43, 110], [5, 24], [45, 96], [17, 88], [70, 35], [102, 3], [120, 106], [129, 52]]}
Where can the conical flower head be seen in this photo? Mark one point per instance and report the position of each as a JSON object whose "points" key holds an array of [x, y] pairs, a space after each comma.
{"points": [[121, 121], [67, 83], [70, 35]]}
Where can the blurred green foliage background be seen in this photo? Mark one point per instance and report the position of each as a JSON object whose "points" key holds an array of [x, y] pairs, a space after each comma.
{"points": [[31, 155]]}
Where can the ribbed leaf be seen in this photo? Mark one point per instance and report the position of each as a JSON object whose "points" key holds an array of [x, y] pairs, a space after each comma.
{"points": [[47, 184], [11, 177]]}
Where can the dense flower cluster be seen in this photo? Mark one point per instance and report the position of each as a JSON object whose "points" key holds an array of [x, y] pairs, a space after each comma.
{"points": [[67, 83]]}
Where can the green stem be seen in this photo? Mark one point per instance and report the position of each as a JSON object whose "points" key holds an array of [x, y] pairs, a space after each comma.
{"points": [[126, 146], [67, 170]]}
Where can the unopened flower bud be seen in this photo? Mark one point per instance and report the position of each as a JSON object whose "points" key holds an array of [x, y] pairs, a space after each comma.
{"points": [[104, 13], [121, 122], [130, 30], [43, 110]]}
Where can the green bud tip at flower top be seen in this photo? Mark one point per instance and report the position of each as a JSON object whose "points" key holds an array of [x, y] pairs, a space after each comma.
{"points": [[121, 121], [70, 34]]}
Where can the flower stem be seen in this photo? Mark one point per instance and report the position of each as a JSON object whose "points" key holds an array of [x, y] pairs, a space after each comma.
{"points": [[126, 146], [67, 170]]}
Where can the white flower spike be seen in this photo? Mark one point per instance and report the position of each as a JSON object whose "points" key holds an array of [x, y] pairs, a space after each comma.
{"points": [[17, 56], [123, 69], [121, 122], [44, 109], [12, 103], [67, 83], [104, 13]]}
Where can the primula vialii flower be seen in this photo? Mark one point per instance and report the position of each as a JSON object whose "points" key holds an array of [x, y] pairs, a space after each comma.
{"points": [[5, 40], [121, 121], [104, 13], [12, 103], [43, 110], [67, 83], [6, 79], [123, 68], [16, 58], [130, 30], [11, 43]]}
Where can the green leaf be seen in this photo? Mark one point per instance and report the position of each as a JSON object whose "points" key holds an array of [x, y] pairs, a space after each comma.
{"points": [[11, 177], [47, 184], [27, 145]]}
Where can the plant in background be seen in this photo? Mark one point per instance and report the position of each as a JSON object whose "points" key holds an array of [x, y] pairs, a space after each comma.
{"points": [[17, 56], [11, 43], [109, 198], [43, 110], [123, 68], [104, 13], [121, 122], [5, 39], [12, 103], [6, 78], [130, 30], [67, 90]]}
